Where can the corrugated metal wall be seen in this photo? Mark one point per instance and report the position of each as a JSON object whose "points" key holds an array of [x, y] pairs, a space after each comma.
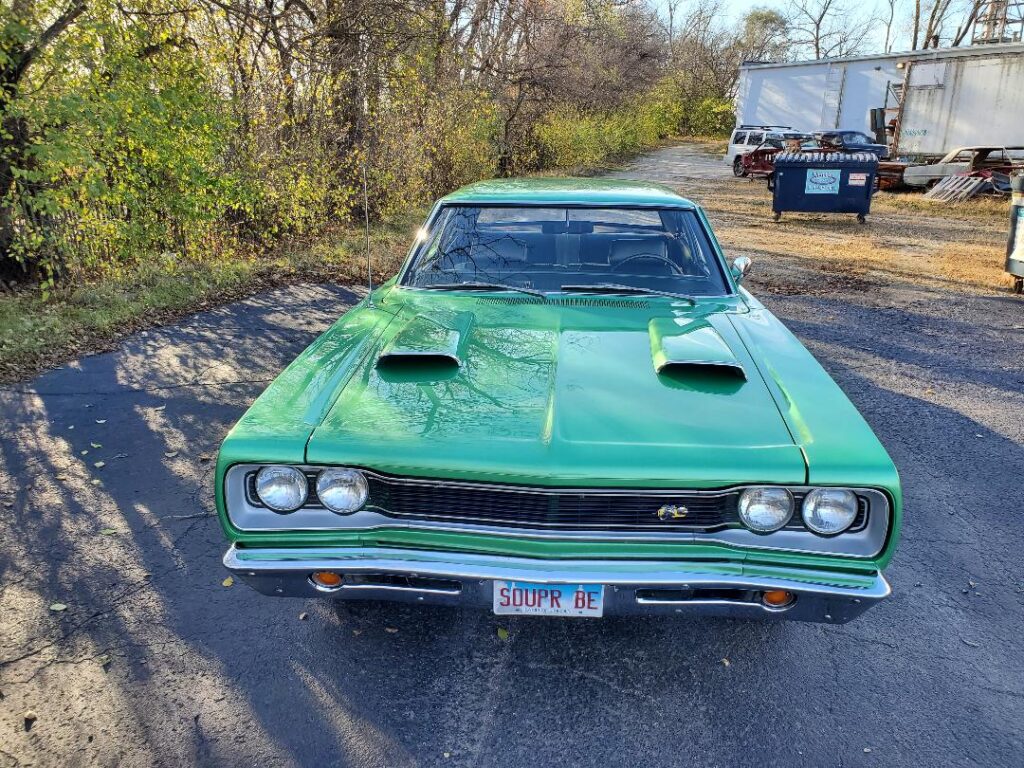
{"points": [[808, 97], [960, 102], [955, 97]]}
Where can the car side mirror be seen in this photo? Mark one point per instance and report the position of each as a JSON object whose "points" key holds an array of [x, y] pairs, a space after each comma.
{"points": [[740, 267]]}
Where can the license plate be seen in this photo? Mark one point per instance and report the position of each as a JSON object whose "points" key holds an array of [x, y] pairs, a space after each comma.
{"points": [[515, 597]]}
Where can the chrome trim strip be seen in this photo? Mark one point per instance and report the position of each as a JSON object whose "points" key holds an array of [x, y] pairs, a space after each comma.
{"points": [[867, 542], [398, 589]]}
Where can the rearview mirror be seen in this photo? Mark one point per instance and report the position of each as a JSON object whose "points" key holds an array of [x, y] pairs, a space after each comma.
{"points": [[740, 267]]}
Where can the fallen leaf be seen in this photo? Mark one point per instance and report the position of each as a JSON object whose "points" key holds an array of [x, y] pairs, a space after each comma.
{"points": [[170, 454], [58, 607], [84, 453], [101, 421], [970, 643], [303, 616], [228, 582], [867, 750], [726, 662], [95, 445], [71, 426], [357, 632], [160, 407], [100, 464], [447, 754], [120, 455], [971, 584], [502, 633], [391, 630], [107, 531]]}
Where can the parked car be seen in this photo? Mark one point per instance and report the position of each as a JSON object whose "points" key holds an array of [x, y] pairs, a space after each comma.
{"points": [[852, 141], [1005, 160], [747, 138], [563, 404], [760, 162]]}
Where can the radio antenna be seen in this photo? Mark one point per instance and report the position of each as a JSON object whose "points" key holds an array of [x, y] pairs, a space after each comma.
{"points": [[366, 221]]}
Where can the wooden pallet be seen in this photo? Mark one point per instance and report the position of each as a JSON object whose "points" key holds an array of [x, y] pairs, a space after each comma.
{"points": [[955, 189]]}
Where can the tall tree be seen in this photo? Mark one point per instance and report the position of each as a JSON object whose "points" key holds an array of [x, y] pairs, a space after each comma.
{"points": [[828, 28]]}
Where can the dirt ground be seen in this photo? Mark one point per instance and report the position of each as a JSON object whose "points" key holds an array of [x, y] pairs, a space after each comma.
{"points": [[960, 246]]}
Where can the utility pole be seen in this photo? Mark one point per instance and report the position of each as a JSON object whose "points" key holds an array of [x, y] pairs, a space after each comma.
{"points": [[998, 21]]}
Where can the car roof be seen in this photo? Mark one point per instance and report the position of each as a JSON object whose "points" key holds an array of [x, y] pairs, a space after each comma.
{"points": [[554, 191]]}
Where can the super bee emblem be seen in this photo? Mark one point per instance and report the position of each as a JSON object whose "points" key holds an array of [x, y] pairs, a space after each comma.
{"points": [[672, 512]]}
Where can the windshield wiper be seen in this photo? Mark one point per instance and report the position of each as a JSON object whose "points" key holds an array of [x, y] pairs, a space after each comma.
{"points": [[616, 288], [475, 286]]}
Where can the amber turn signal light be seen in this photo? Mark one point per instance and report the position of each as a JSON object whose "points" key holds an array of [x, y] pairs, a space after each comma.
{"points": [[326, 579], [777, 598]]}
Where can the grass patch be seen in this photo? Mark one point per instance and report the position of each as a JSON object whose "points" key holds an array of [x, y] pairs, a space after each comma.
{"points": [[91, 316]]}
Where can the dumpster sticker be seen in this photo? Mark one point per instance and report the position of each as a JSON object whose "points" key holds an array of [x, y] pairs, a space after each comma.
{"points": [[822, 181], [858, 180], [1018, 239]]}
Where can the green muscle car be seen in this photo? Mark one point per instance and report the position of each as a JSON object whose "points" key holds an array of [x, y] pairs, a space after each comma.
{"points": [[563, 404]]}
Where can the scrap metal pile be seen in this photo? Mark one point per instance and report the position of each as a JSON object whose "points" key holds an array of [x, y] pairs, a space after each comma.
{"points": [[964, 186]]}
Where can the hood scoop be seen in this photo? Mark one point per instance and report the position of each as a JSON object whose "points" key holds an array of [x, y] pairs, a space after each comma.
{"points": [[680, 346], [428, 345]]}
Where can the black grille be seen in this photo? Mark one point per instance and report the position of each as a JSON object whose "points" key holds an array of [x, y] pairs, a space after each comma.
{"points": [[554, 509], [561, 510]]}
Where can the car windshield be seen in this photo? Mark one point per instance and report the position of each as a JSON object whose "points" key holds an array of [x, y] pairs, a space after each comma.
{"points": [[572, 249]]}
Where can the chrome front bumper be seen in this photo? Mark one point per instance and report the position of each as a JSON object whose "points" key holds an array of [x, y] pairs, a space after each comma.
{"points": [[632, 587]]}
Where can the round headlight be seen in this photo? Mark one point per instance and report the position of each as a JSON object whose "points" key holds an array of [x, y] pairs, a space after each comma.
{"points": [[765, 509], [342, 490], [283, 489], [830, 510]]}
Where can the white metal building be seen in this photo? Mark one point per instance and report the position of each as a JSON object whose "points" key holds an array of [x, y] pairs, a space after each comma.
{"points": [[939, 99]]}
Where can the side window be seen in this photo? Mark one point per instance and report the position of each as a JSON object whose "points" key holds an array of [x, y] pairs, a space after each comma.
{"points": [[755, 138], [740, 137]]}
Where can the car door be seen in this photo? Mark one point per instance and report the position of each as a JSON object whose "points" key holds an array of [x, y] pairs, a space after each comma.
{"points": [[736, 146]]}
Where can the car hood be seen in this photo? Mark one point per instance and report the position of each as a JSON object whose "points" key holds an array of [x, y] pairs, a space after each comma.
{"points": [[596, 390]]}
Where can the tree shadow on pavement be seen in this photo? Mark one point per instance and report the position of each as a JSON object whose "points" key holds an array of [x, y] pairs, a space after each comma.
{"points": [[155, 662]]}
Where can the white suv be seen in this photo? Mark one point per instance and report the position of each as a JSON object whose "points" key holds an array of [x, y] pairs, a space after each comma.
{"points": [[746, 138]]}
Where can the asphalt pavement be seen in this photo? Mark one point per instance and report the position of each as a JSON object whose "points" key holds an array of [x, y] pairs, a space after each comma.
{"points": [[125, 646]]}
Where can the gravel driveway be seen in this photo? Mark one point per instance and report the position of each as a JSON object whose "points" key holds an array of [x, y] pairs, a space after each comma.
{"points": [[105, 486]]}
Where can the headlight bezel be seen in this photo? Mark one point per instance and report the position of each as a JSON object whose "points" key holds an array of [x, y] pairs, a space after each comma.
{"points": [[785, 495], [282, 470], [866, 538]]}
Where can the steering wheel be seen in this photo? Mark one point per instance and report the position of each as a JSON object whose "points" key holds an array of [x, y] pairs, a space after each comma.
{"points": [[650, 257]]}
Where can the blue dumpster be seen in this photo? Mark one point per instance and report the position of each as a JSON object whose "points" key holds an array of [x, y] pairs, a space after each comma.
{"points": [[824, 182]]}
